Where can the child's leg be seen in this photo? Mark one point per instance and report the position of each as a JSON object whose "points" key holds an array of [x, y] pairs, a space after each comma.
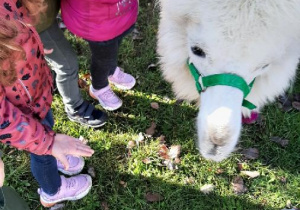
{"points": [[44, 169], [104, 62]]}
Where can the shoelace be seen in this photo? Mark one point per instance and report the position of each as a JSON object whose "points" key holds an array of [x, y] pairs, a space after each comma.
{"points": [[70, 183]]}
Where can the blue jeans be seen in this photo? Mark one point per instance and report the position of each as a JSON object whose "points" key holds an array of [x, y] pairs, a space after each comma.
{"points": [[44, 167]]}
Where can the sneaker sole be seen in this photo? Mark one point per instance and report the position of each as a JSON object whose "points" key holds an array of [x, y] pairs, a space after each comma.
{"points": [[81, 195], [91, 126], [103, 104], [71, 173]]}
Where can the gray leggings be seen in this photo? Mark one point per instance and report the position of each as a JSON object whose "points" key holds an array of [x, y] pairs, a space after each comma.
{"points": [[64, 62]]}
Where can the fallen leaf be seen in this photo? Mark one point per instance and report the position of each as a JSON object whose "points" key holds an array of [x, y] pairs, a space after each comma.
{"points": [[104, 205], [170, 165], [283, 179], [251, 174], [136, 35], [190, 180], [163, 151], [86, 77], [219, 171], [154, 105], [130, 144], [153, 197], [91, 171], [124, 184], [174, 151], [238, 185], [285, 103], [297, 97], [152, 66], [251, 153], [58, 206], [151, 130], [177, 160], [147, 161], [208, 188], [83, 140], [82, 84], [280, 141], [296, 105], [240, 166], [162, 139]]}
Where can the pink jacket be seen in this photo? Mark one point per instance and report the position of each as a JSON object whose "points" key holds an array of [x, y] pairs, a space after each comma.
{"points": [[99, 20], [27, 101]]}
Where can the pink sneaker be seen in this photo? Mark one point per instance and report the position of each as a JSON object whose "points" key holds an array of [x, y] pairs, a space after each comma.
{"points": [[122, 80], [73, 188], [76, 165], [106, 97]]}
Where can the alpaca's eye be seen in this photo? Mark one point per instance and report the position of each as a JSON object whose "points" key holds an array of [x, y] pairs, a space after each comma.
{"points": [[198, 51]]}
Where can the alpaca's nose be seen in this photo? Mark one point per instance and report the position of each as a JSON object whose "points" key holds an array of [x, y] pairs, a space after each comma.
{"points": [[219, 126]]}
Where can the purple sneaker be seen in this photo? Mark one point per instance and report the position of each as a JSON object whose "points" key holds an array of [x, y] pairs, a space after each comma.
{"points": [[106, 97], [122, 80], [251, 119], [76, 165], [73, 188]]}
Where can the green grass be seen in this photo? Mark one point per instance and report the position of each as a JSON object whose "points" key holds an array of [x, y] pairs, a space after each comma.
{"points": [[180, 188]]}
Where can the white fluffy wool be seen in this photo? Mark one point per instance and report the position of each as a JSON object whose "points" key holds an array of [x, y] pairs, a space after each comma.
{"points": [[238, 37]]}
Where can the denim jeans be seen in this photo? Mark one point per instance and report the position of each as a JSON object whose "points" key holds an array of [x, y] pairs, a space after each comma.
{"points": [[63, 61], [44, 167]]}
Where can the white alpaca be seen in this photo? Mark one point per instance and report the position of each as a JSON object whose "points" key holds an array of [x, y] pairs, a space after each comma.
{"points": [[250, 38]]}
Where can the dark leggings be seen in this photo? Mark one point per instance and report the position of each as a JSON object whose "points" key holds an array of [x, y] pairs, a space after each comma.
{"points": [[104, 61]]}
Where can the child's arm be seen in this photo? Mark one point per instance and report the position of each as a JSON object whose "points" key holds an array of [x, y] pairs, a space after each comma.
{"points": [[23, 131]]}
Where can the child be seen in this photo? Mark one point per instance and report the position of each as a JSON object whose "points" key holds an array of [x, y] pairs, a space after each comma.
{"points": [[63, 61], [25, 99], [103, 23]]}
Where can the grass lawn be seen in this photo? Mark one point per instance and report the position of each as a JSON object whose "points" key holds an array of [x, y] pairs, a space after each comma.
{"points": [[125, 173]]}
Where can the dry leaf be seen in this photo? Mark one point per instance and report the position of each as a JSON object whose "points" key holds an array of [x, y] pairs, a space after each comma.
{"points": [[91, 171], [170, 165], [174, 151], [163, 151], [86, 77], [151, 66], [151, 130], [297, 97], [280, 141], [147, 161], [285, 103], [82, 84], [162, 139], [136, 35], [240, 166], [283, 179], [104, 205], [219, 171], [124, 184], [153, 197], [296, 105], [251, 153], [251, 174], [238, 185], [83, 140], [190, 180], [154, 105], [208, 188], [130, 144]]}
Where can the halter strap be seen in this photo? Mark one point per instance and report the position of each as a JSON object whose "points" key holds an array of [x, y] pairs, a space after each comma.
{"points": [[231, 80]]}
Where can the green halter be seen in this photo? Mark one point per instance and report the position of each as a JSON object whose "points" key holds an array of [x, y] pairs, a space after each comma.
{"points": [[222, 79]]}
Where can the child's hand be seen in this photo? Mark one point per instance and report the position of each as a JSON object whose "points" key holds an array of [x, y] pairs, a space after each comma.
{"points": [[2, 174], [66, 145]]}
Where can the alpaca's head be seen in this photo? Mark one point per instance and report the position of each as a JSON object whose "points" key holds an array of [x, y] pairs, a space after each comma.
{"points": [[244, 38]]}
